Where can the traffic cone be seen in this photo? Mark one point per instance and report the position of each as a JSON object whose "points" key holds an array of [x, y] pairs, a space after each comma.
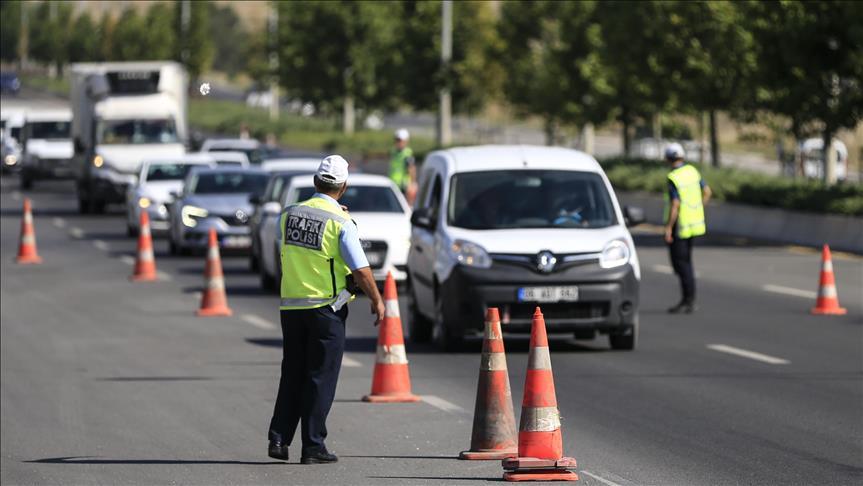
{"points": [[828, 299], [493, 434], [27, 244], [214, 302], [540, 444], [392, 380], [145, 263]]}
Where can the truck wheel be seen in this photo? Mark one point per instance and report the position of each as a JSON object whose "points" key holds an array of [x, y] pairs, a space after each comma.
{"points": [[419, 328], [131, 231], [97, 207], [83, 206], [442, 335], [625, 341]]}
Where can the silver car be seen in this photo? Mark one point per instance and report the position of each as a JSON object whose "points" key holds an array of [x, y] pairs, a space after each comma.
{"points": [[215, 198]]}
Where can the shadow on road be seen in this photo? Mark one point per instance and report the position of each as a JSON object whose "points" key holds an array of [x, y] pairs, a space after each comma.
{"points": [[437, 478], [471, 346], [93, 460], [155, 378]]}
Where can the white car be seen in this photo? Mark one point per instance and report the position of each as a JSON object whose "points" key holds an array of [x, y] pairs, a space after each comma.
{"points": [[46, 146], [253, 149], [291, 164], [376, 205], [157, 180], [229, 159], [516, 227], [13, 122]]}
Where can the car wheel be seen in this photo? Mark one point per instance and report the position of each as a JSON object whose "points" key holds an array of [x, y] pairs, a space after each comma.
{"points": [[172, 247], [254, 263], [97, 207], [268, 282], [26, 182], [419, 328], [131, 231], [83, 206], [626, 340], [442, 335]]}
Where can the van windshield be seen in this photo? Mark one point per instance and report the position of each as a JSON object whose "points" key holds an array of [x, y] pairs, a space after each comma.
{"points": [[529, 199], [125, 132], [49, 130]]}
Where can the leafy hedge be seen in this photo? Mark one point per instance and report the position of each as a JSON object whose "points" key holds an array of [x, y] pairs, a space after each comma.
{"points": [[744, 187]]}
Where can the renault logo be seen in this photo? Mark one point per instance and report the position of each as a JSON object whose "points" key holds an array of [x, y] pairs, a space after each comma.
{"points": [[545, 261], [241, 216]]}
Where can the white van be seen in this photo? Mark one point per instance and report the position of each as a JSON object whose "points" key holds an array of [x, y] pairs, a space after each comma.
{"points": [[516, 227]]}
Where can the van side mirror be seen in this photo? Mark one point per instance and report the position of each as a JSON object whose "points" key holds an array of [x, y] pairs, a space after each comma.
{"points": [[176, 194], [255, 199], [422, 218], [633, 215]]}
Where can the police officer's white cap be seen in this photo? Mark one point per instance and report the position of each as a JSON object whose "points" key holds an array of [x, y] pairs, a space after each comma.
{"points": [[402, 134], [333, 169], [674, 151]]}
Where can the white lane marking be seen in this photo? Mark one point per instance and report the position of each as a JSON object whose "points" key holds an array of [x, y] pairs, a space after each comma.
{"points": [[764, 358], [76, 232], [349, 362], [438, 402], [600, 478], [778, 289], [128, 260], [100, 245], [259, 322], [166, 277], [663, 269], [59, 222]]}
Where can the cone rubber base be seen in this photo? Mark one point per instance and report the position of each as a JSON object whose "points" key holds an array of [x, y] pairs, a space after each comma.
{"points": [[541, 475], [488, 455], [402, 398], [30, 260], [217, 312], [143, 278], [839, 311]]}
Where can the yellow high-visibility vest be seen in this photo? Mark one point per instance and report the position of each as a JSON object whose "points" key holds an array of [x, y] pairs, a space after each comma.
{"points": [[690, 218]]}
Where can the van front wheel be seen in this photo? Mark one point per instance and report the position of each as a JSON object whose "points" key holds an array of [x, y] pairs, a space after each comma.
{"points": [[625, 340], [419, 328], [442, 335]]}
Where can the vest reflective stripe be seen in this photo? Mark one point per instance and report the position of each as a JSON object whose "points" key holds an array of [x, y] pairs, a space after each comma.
{"points": [[690, 218], [398, 163], [313, 270]]}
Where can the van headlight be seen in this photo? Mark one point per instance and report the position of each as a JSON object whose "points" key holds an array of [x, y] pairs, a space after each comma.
{"points": [[144, 202], [616, 253], [470, 254], [189, 213]]}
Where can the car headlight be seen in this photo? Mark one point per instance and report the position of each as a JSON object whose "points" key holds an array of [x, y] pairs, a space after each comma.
{"points": [[144, 202], [189, 213], [10, 160], [470, 254], [98, 161], [616, 253]]}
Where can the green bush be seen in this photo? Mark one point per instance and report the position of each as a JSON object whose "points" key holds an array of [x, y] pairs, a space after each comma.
{"points": [[743, 187]]}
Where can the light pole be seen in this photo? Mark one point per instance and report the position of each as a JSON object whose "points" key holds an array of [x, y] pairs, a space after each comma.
{"points": [[444, 135], [273, 24]]}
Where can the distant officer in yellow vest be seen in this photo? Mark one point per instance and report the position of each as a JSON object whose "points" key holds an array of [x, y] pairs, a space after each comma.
{"points": [[322, 264], [685, 198], [402, 168]]}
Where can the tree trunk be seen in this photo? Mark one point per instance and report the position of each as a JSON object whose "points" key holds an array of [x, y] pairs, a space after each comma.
{"points": [[348, 115], [550, 131], [714, 140], [588, 138], [829, 157], [702, 137], [657, 126], [627, 141]]}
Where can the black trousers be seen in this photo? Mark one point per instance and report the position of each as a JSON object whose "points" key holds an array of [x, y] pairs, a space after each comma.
{"points": [[680, 251], [314, 341]]}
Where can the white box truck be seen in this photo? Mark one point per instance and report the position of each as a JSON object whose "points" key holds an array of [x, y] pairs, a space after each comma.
{"points": [[123, 113]]}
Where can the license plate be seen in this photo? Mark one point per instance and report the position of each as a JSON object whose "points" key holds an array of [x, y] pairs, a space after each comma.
{"points": [[236, 241], [548, 294], [375, 258]]}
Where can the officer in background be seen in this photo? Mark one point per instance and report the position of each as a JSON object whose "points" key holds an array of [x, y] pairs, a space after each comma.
{"points": [[402, 165], [684, 221], [322, 264]]}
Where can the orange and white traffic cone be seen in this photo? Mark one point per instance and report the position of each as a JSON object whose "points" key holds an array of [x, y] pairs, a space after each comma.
{"points": [[493, 434], [214, 301], [27, 245], [145, 263], [828, 299], [392, 380], [540, 444]]}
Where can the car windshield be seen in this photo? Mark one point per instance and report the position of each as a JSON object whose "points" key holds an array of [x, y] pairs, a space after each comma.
{"points": [[49, 130], [255, 155], [529, 199], [227, 183], [362, 199], [167, 172], [124, 132]]}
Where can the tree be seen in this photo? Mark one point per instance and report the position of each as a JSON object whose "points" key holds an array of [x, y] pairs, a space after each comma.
{"points": [[810, 66], [553, 69], [83, 43], [128, 38], [159, 38], [194, 46], [229, 38], [49, 33], [10, 30], [105, 34], [335, 53]]}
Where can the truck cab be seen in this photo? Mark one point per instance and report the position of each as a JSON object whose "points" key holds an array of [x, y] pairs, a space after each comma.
{"points": [[124, 113]]}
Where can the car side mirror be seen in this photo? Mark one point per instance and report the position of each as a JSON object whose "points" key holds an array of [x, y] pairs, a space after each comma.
{"points": [[271, 208], [255, 199], [176, 194], [422, 218], [633, 215]]}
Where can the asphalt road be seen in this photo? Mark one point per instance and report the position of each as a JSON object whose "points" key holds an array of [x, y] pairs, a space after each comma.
{"points": [[104, 381]]}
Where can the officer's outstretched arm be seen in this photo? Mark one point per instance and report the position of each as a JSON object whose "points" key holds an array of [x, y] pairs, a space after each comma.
{"points": [[366, 281]]}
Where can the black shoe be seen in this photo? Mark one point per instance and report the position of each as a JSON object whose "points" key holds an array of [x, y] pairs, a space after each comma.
{"points": [[690, 308], [677, 309], [277, 450], [320, 457]]}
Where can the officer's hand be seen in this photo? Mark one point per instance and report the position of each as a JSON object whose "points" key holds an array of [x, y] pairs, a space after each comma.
{"points": [[668, 236], [379, 309]]}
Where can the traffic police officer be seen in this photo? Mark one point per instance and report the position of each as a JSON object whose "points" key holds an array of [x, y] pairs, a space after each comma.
{"points": [[322, 264], [685, 198], [402, 166]]}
